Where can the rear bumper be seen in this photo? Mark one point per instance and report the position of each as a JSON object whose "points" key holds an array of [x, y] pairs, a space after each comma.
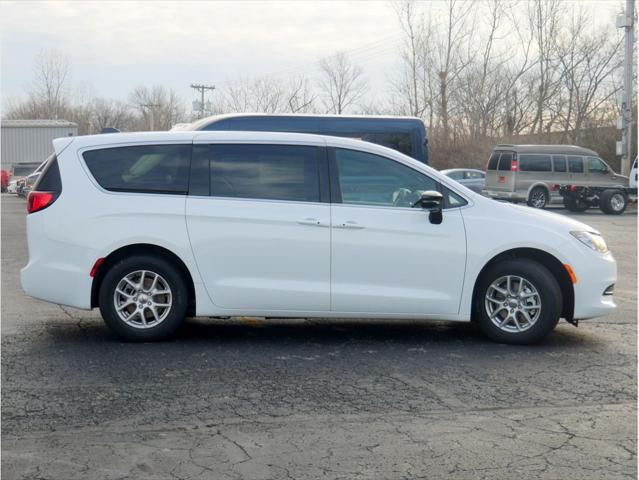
{"points": [[57, 272], [501, 195]]}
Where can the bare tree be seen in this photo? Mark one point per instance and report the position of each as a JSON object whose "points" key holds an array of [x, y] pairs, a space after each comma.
{"points": [[160, 102], [51, 83], [341, 83], [299, 96], [544, 17], [111, 113], [588, 60]]}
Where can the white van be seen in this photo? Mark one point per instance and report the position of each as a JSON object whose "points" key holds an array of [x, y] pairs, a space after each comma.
{"points": [[153, 227]]}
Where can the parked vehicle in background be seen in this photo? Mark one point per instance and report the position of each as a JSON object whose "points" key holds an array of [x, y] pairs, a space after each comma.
{"points": [[404, 134], [468, 177], [4, 180], [13, 186], [633, 176], [526, 173], [25, 185], [612, 201], [152, 227], [29, 182]]}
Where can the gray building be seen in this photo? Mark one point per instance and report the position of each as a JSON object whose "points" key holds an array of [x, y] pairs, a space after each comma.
{"points": [[26, 143]]}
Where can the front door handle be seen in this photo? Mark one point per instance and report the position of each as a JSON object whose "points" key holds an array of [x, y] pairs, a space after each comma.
{"points": [[350, 224], [314, 222]]}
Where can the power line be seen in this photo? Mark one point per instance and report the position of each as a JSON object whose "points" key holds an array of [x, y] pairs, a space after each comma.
{"points": [[202, 88]]}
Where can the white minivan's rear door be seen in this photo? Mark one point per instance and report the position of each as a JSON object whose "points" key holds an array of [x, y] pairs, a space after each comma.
{"points": [[258, 226]]}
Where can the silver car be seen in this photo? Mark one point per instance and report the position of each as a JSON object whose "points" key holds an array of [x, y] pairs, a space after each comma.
{"points": [[527, 173], [469, 177]]}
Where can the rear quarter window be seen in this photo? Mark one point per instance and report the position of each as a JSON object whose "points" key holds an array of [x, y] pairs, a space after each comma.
{"points": [[143, 168], [49, 180], [534, 163]]}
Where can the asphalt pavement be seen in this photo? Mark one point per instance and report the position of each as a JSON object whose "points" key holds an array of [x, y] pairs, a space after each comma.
{"points": [[278, 399]]}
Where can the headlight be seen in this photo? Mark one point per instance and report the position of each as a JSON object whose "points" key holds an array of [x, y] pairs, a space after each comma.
{"points": [[592, 240]]}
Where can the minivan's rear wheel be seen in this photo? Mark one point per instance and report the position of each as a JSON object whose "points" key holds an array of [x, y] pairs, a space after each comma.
{"points": [[613, 202], [538, 197], [518, 302], [143, 298]]}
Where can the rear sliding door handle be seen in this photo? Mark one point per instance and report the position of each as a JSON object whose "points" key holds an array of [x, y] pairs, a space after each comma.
{"points": [[314, 222], [350, 224]]}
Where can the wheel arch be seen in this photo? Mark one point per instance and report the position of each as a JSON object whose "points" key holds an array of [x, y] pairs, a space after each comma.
{"points": [[536, 185], [143, 249], [552, 263]]}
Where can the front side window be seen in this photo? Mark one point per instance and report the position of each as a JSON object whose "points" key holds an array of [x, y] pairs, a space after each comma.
{"points": [[269, 172], [575, 164], [368, 179], [534, 163], [596, 165], [559, 163], [143, 168]]}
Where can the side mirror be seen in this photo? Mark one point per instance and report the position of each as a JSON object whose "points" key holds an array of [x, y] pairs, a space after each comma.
{"points": [[432, 201]]}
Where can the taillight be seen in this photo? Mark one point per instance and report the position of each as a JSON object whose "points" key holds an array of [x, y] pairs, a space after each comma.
{"points": [[513, 166], [37, 201]]}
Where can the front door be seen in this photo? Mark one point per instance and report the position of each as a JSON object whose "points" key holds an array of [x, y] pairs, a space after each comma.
{"points": [[259, 231], [386, 256]]}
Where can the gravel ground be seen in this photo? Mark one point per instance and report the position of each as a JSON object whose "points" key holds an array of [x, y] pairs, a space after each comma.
{"points": [[331, 399]]}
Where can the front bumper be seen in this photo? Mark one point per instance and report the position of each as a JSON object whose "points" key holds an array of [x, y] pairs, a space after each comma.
{"points": [[593, 279]]}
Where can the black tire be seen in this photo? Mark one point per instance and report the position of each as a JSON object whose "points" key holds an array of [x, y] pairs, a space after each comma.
{"points": [[538, 198], [575, 205], [177, 311], [549, 293], [609, 202]]}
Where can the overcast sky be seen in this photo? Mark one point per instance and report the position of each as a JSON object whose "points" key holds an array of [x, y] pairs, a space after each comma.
{"points": [[114, 46]]}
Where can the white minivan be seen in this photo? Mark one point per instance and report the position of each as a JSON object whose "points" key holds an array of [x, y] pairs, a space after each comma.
{"points": [[154, 227]]}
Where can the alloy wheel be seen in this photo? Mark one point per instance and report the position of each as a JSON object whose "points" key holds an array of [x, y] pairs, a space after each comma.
{"points": [[142, 299], [513, 304]]}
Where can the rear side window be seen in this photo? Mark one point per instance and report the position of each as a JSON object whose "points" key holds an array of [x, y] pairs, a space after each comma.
{"points": [[49, 180], [269, 172], [505, 161], [492, 163], [575, 164], [559, 163], [534, 163], [144, 168]]}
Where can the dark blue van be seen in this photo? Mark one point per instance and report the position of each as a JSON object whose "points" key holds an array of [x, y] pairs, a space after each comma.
{"points": [[404, 134]]}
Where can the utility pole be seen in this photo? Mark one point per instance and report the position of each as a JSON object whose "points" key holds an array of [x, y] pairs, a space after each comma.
{"points": [[202, 88], [150, 106], [625, 148]]}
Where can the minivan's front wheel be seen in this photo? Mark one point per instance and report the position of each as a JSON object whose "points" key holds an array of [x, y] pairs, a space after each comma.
{"points": [[143, 298], [538, 197], [518, 302]]}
